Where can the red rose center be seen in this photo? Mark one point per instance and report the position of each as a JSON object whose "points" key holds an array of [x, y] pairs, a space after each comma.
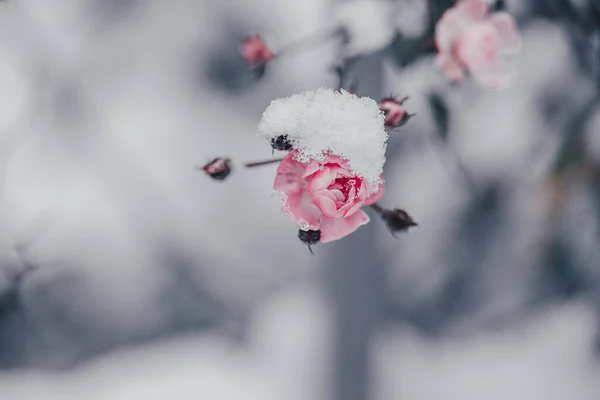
{"points": [[345, 188]]}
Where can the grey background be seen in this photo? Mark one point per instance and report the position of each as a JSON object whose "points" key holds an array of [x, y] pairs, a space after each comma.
{"points": [[126, 274]]}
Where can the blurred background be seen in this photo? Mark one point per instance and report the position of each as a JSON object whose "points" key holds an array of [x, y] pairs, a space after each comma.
{"points": [[127, 274]]}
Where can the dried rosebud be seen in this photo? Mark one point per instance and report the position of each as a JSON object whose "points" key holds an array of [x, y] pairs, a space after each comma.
{"points": [[256, 52], [281, 143], [397, 220], [309, 237], [394, 112], [218, 169]]}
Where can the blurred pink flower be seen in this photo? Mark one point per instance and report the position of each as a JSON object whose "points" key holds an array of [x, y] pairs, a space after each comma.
{"points": [[256, 52], [470, 39], [325, 196]]}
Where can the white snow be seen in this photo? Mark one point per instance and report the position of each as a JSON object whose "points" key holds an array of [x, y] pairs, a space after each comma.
{"points": [[369, 23], [324, 120]]}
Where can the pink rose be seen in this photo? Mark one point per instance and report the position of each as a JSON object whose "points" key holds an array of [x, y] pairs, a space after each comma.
{"points": [[324, 196], [469, 39]]}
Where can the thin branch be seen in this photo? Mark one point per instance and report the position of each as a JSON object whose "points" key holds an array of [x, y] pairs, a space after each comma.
{"points": [[261, 163], [377, 208], [309, 41]]}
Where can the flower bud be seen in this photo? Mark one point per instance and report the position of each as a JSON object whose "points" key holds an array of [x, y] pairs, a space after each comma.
{"points": [[256, 52], [397, 220], [309, 237], [218, 169], [394, 112], [281, 143]]}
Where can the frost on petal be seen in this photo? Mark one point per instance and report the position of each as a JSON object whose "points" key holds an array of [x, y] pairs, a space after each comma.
{"points": [[369, 24], [500, 76], [336, 228], [508, 30], [375, 196], [323, 122], [296, 203], [312, 167]]}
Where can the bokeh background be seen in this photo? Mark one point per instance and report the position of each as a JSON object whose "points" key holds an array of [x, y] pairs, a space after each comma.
{"points": [[127, 274]]}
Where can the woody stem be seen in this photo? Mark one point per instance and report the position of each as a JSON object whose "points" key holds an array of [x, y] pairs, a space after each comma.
{"points": [[309, 41], [377, 208], [261, 163]]}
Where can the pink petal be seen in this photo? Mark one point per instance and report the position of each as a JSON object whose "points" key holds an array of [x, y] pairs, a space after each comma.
{"points": [[322, 179], [327, 205], [478, 47], [475, 9], [450, 67], [500, 76], [336, 228], [311, 168], [375, 197], [508, 30], [339, 196], [334, 159], [288, 178], [347, 209], [297, 204], [300, 209], [457, 18], [448, 28]]}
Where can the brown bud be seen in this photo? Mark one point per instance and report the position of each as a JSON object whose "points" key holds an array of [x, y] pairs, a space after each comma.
{"points": [[218, 169], [397, 220], [309, 237]]}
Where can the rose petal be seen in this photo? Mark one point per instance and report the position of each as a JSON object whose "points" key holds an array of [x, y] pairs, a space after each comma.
{"points": [[311, 168], [339, 196], [348, 209], [334, 159], [288, 177], [301, 210], [336, 228], [478, 47], [448, 27], [450, 67], [328, 207], [322, 179], [375, 197], [508, 30], [318, 188], [475, 9]]}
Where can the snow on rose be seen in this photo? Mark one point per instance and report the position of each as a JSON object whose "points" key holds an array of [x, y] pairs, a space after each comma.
{"points": [[334, 169], [336, 145]]}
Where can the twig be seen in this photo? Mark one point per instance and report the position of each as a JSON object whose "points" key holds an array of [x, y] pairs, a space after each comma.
{"points": [[309, 41], [377, 208], [261, 163]]}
